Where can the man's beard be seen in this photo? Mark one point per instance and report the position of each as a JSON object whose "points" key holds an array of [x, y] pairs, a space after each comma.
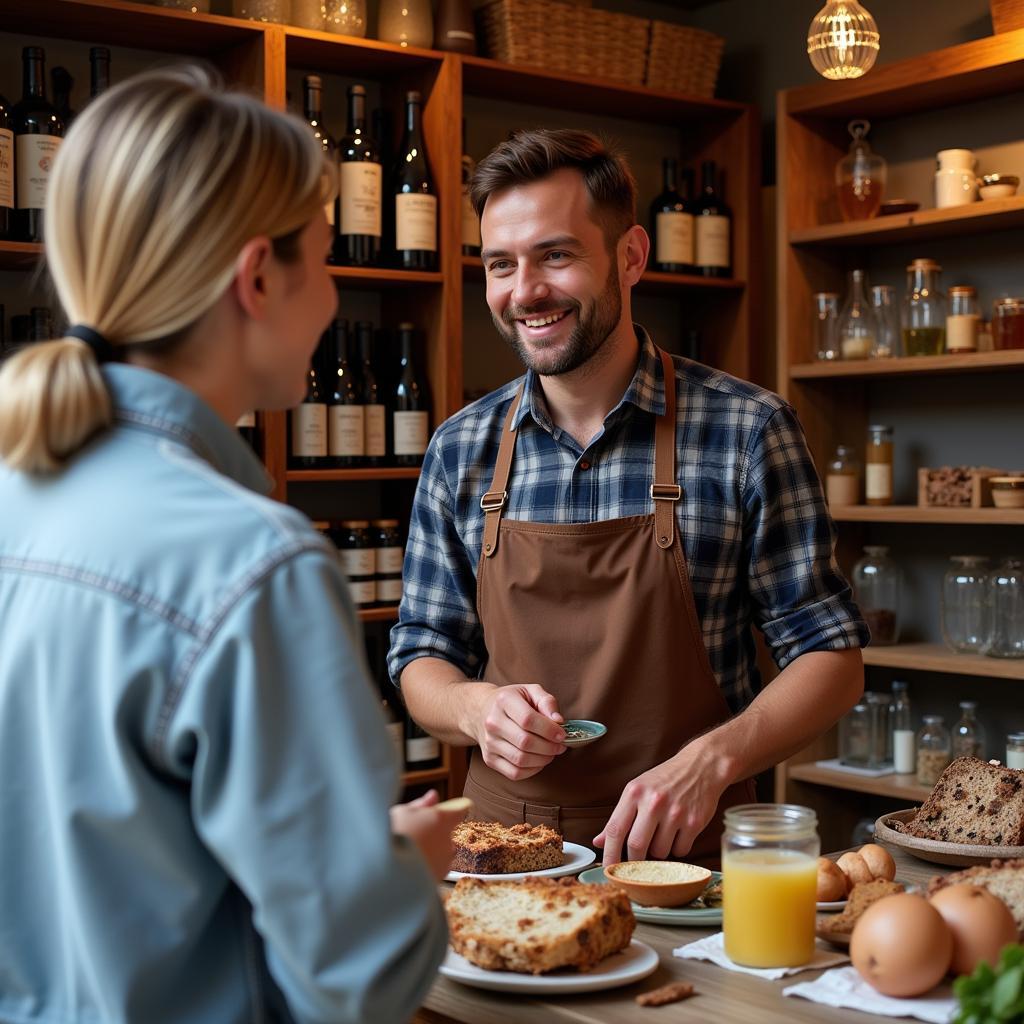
{"points": [[591, 331]]}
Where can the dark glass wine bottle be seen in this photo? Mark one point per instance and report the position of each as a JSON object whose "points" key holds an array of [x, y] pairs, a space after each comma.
{"points": [[6, 170], [99, 71], [415, 197], [38, 131], [373, 408], [62, 83], [361, 188], [410, 418], [309, 422], [312, 110], [672, 226], [422, 751], [713, 227], [470, 221], [346, 430]]}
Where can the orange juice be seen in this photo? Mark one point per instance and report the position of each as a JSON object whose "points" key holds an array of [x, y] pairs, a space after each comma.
{"points": [[769, 906]]}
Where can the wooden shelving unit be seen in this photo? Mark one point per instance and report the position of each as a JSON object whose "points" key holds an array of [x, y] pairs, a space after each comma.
{"points": [[1010, 360], [938, 658], [378, 280], [898, 787], [387, 614], [20, 255], [937, 516], [323, 476]]}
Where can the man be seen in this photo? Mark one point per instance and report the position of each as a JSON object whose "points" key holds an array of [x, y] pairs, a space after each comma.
{"points": [[587, 543]]}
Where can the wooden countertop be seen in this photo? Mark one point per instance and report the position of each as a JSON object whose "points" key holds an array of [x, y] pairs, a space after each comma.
{"points": [[722, 995]]}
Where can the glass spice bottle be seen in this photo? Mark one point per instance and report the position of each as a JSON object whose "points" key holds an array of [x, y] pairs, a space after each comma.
{"points": [[842, 479], [1008, 324], [1015, 750], [968, 733], [826, 326], [887, 321], [962, 321], [877, 584], [857, 325], [878, 465], [924, 311], [902, 729], [933, 750]]}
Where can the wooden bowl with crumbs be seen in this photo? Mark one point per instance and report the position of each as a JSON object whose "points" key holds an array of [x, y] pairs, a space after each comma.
{"points": [[658, 883]]}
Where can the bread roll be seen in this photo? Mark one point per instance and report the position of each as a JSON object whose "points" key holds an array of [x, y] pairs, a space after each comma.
{"points": [[879, 861], [856, 869], [831, 881]]}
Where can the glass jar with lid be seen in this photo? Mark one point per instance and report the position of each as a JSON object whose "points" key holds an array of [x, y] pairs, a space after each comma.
{"points": [[879, 465], [825, 325], [924, 310], [857, 325], [842, 478], [877, 584], [887, 319], [965, 605], [968, 733], [1008, 323], [933, 750], [278, 11], [1015, 750], [1006, 594], [860, 176], [902, 729], [769, 859], [963, 319], [357, 560]]}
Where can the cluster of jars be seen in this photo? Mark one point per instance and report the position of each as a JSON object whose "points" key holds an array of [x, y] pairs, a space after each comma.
{"points": [[983, 607]]}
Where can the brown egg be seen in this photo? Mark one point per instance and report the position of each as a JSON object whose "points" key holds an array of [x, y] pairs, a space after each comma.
{"points": [[831, 881], [856, 869], [981, 924], [901, 945], [879, 861]]}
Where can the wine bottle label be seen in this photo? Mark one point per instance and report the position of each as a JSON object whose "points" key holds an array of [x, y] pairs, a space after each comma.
{"points": [[422, 748], [878, 481], [415, 221], [247, 419], [360, 198], [6, 168], [362, 591], [410, 433], [390, 590], [309, 430], [376, 429], [358, 561], [345, 432], [389, 560], [35, 155], [471, 222], [712, 241], [675, 238]]}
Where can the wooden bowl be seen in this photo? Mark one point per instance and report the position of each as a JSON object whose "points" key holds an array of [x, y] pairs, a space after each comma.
{"points": [[658, 883], [891, 206], [935, 851]]}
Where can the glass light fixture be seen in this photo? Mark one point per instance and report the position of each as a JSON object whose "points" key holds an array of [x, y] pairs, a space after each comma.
{"points": [[842, 41]]}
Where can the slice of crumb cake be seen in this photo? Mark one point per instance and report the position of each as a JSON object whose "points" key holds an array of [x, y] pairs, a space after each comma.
{"points": [[487, 848]]}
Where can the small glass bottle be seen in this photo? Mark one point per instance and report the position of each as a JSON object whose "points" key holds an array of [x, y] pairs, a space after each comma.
{"points": [[1006, 596], [842, 479], [860, 176], [887, 317], [877, 583], [966, 605], [902, 729], [924, 310], [1015, 750], [1008, 323], [968, 733], [880, 746], [879, 465], [357, 560], [963, 319], [933, 749], [825, 325], [855, 735], [857, 326]]}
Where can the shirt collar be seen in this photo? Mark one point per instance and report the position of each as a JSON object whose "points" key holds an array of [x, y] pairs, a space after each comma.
{"points": [[646, 390], [152, 402]]}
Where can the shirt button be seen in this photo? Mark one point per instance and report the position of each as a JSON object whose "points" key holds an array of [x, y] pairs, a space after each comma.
{"points": [[584, 464]]}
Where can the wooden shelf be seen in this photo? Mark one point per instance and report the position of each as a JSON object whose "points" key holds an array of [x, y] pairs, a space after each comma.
{"points": [[374, 278], [933, 516], [351, 56], [918, 366], [312, 476], [20, 255], [921, 225], [386, 614], [897, 787], [430, 775], [938, 658]]}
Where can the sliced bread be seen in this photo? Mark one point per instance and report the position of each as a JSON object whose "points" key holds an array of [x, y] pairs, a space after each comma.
{"points": [[861, 897], [1002, 878]]}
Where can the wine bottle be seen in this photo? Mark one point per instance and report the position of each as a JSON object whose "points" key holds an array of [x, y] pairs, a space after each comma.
{"points": [[453, 27], [672, 223], [6, 170], [470, 221], [361, 188], [38, 131], [309, 424], [99, 70], [415, 197], [62, 83], [409, 416], [373, 409], [422, 751], [346, 432], [713, 227], [312, 110]]}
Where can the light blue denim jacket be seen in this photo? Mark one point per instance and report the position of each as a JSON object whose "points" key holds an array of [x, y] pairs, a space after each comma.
{"points": [[194, 770]]}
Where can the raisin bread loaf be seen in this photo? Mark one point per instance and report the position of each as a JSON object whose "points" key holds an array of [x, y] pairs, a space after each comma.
{"points": [[487, 848]]}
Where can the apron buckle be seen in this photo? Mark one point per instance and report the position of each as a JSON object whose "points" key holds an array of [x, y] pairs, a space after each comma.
{"points": [[492, 501], [665, 492]]}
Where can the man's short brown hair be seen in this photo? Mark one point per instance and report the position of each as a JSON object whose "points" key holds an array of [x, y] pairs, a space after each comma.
{"points": [[534, 154]]}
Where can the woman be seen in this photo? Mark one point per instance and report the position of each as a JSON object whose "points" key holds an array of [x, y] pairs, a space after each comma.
{"points": [[194, 771]]}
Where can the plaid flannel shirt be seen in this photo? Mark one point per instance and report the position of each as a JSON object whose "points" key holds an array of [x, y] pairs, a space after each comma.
{"points": [[757, 535]]}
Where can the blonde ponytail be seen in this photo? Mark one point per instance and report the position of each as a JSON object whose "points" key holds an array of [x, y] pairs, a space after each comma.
{"points": [[155, 190]]}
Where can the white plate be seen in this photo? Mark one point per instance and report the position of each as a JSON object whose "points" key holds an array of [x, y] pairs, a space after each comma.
{"points": [[684, 917], [633, 963], [832, 904], [576, 859]]}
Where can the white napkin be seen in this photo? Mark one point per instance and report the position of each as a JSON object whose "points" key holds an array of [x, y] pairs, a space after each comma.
{"points": [[713, 948], [845, 987]]}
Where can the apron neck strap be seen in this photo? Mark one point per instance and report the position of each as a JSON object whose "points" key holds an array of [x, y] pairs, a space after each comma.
{"points": [[665, 491], [494, 500]]}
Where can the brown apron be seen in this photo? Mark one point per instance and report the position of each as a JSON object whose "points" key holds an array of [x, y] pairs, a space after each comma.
{"points": [[602, 616]]}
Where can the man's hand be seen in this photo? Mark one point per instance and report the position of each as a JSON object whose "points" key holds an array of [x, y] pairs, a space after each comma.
{"points": [[519, 730], [430, 828], [661, 812]]}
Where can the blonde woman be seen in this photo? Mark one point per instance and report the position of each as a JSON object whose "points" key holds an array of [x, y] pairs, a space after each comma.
{"points": [[194, 771]]}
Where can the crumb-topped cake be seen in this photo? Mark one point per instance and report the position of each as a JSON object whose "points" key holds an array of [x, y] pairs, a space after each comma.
{"points": [[537, 924], [487, 848]]}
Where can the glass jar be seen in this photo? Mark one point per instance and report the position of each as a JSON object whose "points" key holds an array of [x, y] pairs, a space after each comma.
{"points": [[968, 733], [887, 320], [864, 740], [924, 311], [860, 176], [358, 561], [278, 11], [933, 749], [769, 860], [842, 479], [825, 325], [965, 605], [345, 17], [963, 319], [879, 466], [389, 555], [902, 729], [405, 22], [1015, 750], [1006, 595], [877, 583], [1008, 324], [857, 326], [307, 14]]}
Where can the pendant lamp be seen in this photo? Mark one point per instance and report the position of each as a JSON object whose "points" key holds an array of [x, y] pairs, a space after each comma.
{"points": [[842, 41]]}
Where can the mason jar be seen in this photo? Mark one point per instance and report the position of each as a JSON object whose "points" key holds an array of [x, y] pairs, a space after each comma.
{"points": [[966, 605], [924, 311], [769, 884], [877, 585], [934, 747]]}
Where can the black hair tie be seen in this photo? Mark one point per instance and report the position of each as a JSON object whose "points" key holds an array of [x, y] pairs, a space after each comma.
{"points": [[101, 347]]}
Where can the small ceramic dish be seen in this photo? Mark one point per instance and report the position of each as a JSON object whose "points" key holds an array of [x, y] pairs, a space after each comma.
{"points": [[891, 206], [658, 883], [1007, 491], [579, 732], [998, 186]]}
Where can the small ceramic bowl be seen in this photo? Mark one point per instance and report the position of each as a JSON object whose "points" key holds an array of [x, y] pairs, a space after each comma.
{"points": [[998, 186], [579, 732], [658, 883], [891, 206], [1007, 491]]}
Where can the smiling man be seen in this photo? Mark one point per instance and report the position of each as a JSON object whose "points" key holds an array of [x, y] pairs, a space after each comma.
{"points": [[597, 538]]}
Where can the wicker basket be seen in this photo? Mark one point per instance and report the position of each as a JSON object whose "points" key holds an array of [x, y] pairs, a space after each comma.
{"points": [[1007, 15], [560, 36], [683, 59]]}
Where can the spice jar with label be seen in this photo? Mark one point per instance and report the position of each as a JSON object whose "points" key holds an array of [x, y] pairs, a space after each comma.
{"points": [[933, 750], [878, 466], [357, 560], [1008, 324], [877, 584], [1015, 750], [968, 733], [842, 479], [963, 319], [389, 555]]}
